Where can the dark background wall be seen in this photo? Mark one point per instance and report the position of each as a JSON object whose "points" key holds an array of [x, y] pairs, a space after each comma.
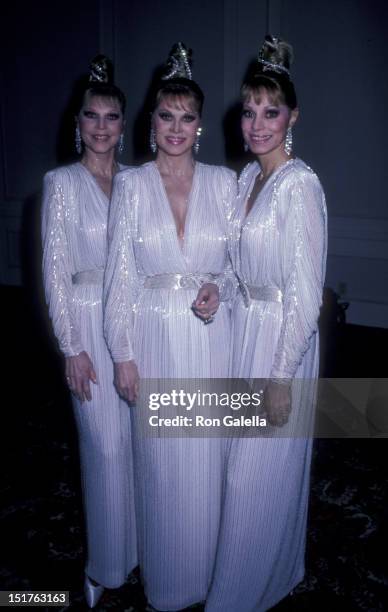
{"points": [[341, 57]]}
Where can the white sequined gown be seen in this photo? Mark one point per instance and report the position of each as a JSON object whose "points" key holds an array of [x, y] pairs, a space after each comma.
{"points": [[179, 481], [74, 225], [282, 245]]}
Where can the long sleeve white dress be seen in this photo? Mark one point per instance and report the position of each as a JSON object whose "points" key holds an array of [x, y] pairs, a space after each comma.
{"points": [[151, 282], [280, 258], [74, 227]]}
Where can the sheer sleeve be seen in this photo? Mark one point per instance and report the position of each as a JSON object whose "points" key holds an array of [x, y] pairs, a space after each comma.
{"points": [[227, 282], [121, 277], [57, 276], [305, 246]]}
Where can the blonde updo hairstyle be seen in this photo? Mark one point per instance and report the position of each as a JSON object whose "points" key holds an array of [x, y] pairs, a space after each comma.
{"points": [[99, 83], [271, 72], [176, 81]]}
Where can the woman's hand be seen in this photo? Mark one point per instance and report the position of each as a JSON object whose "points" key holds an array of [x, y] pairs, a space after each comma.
{"points": [[277, 403], [207, 301], [79, 372], [126, 380]]}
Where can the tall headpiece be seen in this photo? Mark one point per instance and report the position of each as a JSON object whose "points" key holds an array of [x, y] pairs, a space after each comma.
{"points": [[176, 79], [275, 56], [178, 65], [99, 83], [101, 70]]}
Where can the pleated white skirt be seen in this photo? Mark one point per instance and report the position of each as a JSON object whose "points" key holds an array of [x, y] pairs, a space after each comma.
{"points": [[104, 431]]}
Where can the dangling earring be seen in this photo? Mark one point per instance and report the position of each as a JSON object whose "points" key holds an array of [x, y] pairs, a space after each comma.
{"points": [[153, 145], [120, 146], [78, 140], [246, 147], [288, 143], [197, 140]]}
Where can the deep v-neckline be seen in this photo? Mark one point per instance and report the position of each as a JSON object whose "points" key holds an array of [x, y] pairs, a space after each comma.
{"points": [[181, 242], [95, 182], [245, 217]]}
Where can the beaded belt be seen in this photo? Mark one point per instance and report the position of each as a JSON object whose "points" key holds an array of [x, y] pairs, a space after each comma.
{"points": [[263, 294], [179, 281], [88, 277]]}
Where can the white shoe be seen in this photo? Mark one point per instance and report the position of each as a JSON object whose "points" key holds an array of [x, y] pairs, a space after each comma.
{"points": [[93, 592]]}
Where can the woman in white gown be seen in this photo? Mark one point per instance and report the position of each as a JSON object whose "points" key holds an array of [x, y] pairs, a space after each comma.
{"points": [[168, 231], [74, 224], [280, 260]]}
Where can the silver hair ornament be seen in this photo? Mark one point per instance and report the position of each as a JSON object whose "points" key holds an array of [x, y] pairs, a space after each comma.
{"points": [[98, 74], [272, 67], [271, 42], [179, 63]]}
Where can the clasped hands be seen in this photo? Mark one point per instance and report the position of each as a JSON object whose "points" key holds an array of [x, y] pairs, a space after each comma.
{"points": [[207, 302]]}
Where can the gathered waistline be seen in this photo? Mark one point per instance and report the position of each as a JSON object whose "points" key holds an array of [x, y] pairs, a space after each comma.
{"points": [[88, 277], [179, 281], [157, 281], [264, 293]]}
